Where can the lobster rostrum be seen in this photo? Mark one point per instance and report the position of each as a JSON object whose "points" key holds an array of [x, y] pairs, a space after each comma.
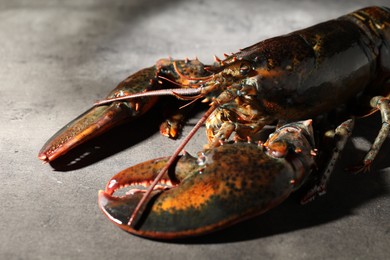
{"points": [[340, 64]]}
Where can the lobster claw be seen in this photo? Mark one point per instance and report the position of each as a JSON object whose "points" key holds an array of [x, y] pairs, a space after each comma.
{"points": [[110, 112], [224, 185], [99, 119]]}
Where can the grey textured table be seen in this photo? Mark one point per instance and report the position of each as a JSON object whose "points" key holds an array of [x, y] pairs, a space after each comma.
{"points": [[58, 57]]}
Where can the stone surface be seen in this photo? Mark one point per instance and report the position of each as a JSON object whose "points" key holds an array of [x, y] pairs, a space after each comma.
{"points": [[58, 57]]}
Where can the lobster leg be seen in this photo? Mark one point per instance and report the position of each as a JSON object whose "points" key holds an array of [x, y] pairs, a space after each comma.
{"points": [[340, 138], [383, 104], [101, 118]]}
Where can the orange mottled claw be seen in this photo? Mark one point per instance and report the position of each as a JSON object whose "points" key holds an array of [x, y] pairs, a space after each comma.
{"points": [[99, 119], [124, 103], [222, 186], [201, 195], [89, 125]]}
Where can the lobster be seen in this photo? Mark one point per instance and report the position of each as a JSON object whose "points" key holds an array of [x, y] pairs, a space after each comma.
{"points": [[338, 65]]}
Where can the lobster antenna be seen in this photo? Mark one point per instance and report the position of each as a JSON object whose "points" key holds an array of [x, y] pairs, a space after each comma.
{"points": [[181, 96], [161, 92], [132, 221], [172, 81], [190, 103]]}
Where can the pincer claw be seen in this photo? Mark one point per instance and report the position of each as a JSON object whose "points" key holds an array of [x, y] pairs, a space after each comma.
{"points": [[132, 98], [207, 198], [98, 119], [225, 185]]}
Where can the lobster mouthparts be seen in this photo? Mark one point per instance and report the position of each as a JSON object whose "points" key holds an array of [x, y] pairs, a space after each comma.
{"points": [[223, 186]]}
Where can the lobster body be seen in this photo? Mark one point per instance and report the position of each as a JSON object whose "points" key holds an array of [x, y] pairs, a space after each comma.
{"points": [[329, 64], [315, 70]]}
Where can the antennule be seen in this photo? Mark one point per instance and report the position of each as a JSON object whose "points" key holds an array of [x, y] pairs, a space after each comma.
{"points": [[177, 92]]}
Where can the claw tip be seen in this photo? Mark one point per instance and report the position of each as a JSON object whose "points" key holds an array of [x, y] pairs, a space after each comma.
{"points": [[43, 157]]}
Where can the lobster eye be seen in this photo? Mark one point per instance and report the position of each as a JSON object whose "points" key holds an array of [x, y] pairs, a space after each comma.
{"points": [[244, 69]]}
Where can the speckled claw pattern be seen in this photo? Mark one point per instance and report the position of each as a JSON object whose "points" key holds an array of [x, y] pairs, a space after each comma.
{"points": [[224, 185], [101, 118]]}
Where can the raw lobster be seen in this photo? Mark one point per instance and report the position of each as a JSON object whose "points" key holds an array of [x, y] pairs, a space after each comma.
{"points": [[342, 64]]}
